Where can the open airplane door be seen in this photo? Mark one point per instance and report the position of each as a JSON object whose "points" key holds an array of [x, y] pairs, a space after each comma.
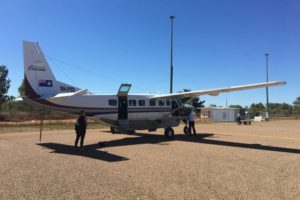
{"points": [[123, 101]]}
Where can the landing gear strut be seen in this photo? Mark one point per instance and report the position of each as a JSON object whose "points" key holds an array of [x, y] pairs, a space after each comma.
{"points": [[169, 133], [186, 130]]}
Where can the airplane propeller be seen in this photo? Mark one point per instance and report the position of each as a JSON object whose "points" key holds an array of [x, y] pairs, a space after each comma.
{"points": [[197, 103]]}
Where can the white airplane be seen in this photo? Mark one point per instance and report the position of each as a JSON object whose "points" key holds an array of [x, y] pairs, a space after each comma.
{"points": [[121, 111]]}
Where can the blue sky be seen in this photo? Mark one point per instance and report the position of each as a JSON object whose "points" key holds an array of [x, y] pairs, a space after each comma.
{"points": [[216, 44]]}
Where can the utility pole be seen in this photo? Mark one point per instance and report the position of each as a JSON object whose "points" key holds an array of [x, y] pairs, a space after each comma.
{"points": [[226, 101], [267, 89], [171, 72]]}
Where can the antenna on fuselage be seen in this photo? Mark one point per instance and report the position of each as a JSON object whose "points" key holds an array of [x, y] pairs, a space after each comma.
{"points": [[171, 72]]}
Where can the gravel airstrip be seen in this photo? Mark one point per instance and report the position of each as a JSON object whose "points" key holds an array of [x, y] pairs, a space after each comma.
{"points": [[224, 161]]}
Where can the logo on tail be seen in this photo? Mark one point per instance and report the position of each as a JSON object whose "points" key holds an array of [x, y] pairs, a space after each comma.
{"points": [[36, 68]]}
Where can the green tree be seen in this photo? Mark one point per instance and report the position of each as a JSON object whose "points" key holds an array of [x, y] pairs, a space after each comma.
{"points": [[236, 106], [296, 105], [18, 106], [4, 84], [280, 109], [21, 89], [22, 106], [256, 109]]}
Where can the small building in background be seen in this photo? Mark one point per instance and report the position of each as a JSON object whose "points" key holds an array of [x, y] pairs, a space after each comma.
{"points": [[220, 114]]}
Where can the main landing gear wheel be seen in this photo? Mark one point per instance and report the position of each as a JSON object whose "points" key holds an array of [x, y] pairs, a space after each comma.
{"points": [[169, 133], [114, 130]]}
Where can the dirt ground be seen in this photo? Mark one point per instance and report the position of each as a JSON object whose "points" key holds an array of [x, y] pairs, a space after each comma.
{"points": [[224, 161]]}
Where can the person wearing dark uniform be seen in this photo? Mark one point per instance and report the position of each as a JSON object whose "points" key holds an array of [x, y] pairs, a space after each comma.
{"points": [[238, 119], [80, 128]]}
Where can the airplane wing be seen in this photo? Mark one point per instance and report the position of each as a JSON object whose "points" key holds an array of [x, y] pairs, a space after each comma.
{"points": [[215, 92]]}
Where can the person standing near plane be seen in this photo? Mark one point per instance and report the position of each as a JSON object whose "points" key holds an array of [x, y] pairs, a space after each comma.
{"points": [[192, 119], [238, 119], [80, 128]]}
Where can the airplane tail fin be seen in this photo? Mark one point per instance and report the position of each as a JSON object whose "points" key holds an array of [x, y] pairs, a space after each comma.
{"points": [[40, 81]]}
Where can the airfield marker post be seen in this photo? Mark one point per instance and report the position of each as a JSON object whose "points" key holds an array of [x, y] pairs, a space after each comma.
{"points": [[41, 126]]}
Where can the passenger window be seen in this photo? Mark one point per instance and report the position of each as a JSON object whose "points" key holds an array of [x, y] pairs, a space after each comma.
{"points": [[152, 102], [112, 102], [161, 103], [168, 103], [141, 102], [132, 102]]}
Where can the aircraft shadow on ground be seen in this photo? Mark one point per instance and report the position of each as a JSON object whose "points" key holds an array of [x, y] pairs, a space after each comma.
{"points": [[202, 138], [93, 150], [89, 151]]}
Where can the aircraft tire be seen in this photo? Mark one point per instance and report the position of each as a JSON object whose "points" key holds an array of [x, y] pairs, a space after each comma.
{"points": [[169, 133], [114, 130]]}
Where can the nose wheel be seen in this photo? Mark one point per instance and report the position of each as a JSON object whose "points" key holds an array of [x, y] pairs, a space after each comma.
{"points": [[169, 133]]}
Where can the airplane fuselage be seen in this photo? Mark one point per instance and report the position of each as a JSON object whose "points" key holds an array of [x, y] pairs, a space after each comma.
{"points": [[140, 111]]}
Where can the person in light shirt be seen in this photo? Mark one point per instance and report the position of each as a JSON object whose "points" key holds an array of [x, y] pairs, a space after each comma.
{"points": [[192, 119]]}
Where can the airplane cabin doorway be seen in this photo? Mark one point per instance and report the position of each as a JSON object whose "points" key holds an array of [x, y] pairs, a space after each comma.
{"points": [[123, 101], [123, 108]]}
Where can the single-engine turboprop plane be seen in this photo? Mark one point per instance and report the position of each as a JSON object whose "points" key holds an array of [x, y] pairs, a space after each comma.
{"points": [[121, 111]]}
